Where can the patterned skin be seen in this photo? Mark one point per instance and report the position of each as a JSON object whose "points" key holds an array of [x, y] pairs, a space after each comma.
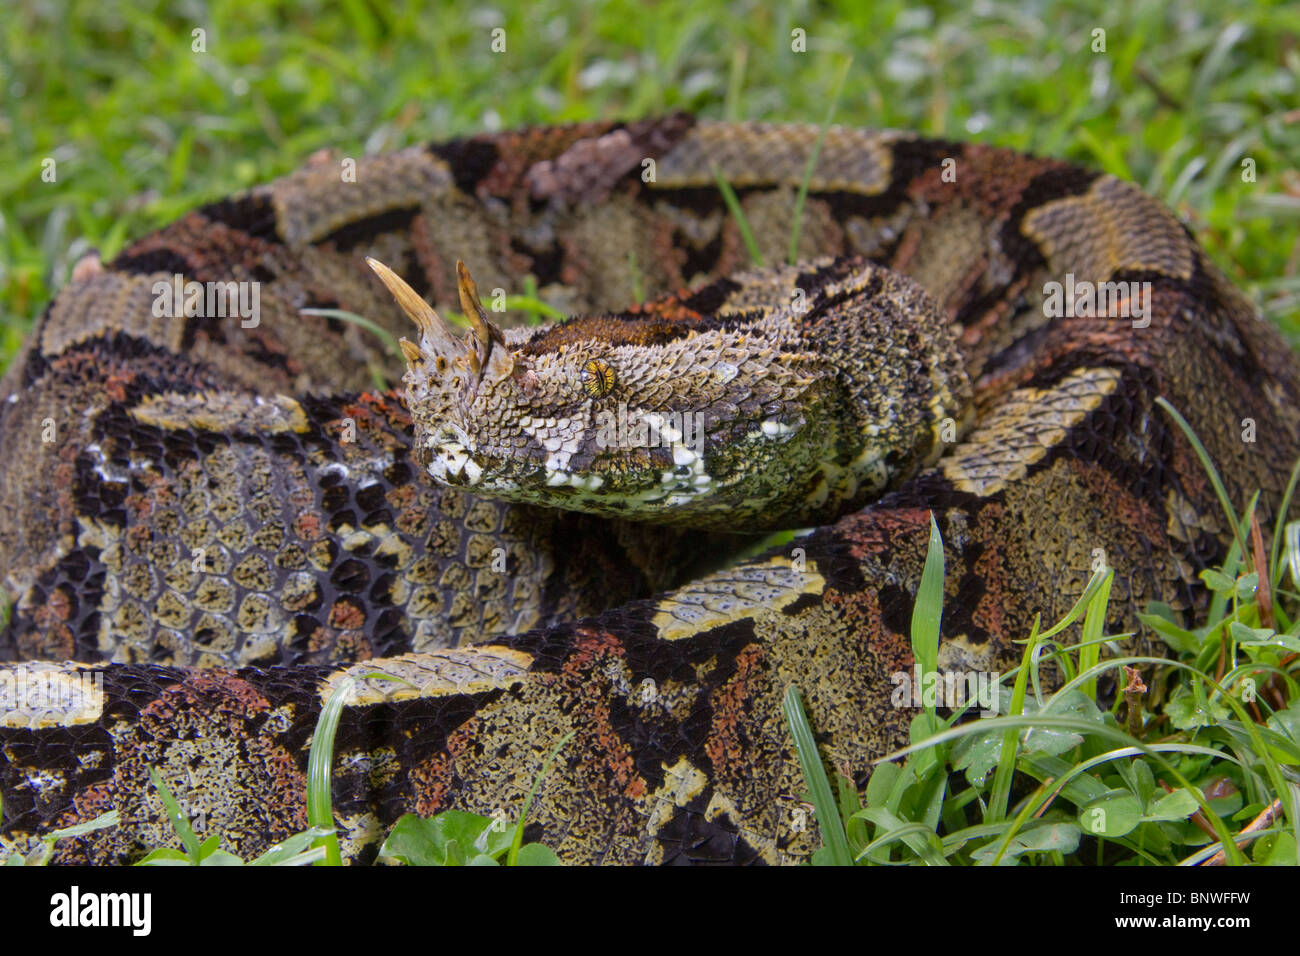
{"points": [[189, 491], [754, 414]]}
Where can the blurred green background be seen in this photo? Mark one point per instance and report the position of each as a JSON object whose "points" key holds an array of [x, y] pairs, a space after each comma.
{"points": [[142, 128]]}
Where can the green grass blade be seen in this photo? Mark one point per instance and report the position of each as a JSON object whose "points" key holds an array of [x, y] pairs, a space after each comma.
{"points": [[927, 612], [1275, 568], [638, 280], [814, 775], [1210, 470], [797, 226], [1000, 794], [1094, 622], [918, 838], [1031, 806], [109, 818], [1292, 535], [320, 809], [1080, 606], [1100, 731], [377, 330], [533, 306], [512, 858], [735, 83], [1215, 60], [733, 205], [178, 820]]}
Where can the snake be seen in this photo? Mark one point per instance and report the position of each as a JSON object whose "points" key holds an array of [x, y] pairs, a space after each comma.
{"points": [[229, 499]]}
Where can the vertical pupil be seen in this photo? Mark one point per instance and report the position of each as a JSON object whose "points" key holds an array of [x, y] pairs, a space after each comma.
{"points": [[597, 377]]}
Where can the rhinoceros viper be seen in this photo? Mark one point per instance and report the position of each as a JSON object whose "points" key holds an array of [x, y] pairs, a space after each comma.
{"points": [[217, 519]]}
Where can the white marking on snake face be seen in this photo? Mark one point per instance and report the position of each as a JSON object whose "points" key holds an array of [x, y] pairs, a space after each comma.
{"points": [[455, 463], [561, 452], [559, 438], [660, 426], [558, 478], [448, 459], [724, 372], [450, 449], [775, 429]]}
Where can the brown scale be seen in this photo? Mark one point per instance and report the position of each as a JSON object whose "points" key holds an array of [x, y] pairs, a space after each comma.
{"points": [[700, 770], [612, 331]]}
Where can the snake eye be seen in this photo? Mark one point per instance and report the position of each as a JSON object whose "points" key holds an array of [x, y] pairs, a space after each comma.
{"points": [[597, 377]]}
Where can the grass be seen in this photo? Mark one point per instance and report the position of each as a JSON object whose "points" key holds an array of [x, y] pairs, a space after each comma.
{"points": [[1204, 771], [449, 838], [141, 128]]}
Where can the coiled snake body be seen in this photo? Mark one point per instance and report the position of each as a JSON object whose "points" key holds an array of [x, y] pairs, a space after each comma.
{"points": [[215, 516]]}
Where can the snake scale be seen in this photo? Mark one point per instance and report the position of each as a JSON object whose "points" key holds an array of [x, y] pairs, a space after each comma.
{"points": [[223, 520]]}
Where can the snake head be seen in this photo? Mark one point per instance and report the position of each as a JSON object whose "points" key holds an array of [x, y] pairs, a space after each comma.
{"points": [[450, 379], [458, 386], [724, 409]]}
